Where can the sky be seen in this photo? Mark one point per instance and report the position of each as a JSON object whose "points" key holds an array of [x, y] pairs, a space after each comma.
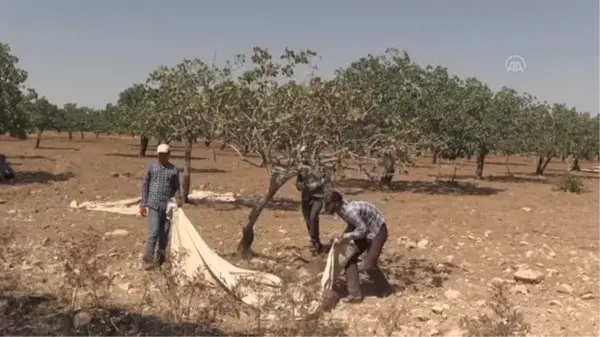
{"points": [[88, 51]]}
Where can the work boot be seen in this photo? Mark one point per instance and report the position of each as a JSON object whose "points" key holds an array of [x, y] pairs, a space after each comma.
{"points": [[316, 248], [147, 265], [351, 299]]}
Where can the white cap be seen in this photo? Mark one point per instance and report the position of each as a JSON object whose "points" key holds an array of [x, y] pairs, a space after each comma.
{"points": [[162, 148]]}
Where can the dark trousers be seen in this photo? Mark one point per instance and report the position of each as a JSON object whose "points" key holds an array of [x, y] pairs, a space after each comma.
{"points": [[158, 233], [373, 249], [311, 209]]}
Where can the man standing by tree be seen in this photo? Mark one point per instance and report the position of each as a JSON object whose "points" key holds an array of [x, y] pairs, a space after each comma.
{"points": [[161, 183], [313, 187], [366, 227]]}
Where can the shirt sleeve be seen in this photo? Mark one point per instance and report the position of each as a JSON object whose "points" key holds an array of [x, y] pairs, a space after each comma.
{"points": [[315, 184], [360, 229], [146, 186]]}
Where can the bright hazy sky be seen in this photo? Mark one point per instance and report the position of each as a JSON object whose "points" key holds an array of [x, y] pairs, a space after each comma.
{"points": [[88, 51]]}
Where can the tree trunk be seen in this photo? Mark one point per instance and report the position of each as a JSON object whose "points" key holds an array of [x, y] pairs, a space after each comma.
{"points": [[97, 135], [246, 150], [38, 139], [542, 164], [387, 172], [187, 168], [143, 145], [508, 166], [546, 163], [575, 166], [276, 181], [70, 135], [435, 157], [82, 136], [207, 143], [480, 164]]}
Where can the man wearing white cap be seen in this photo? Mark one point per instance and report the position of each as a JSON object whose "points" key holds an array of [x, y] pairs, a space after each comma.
{"points": [[161, 183]]}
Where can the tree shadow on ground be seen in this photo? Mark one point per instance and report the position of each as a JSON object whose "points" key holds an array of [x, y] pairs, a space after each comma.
{"points": [[26, 157], [54, 148], [504, 163], [547, 178], [148, 156], [205, 170], [45, 315], [411, 275], [423, 187], [31, 177], [580, 174], [278, 204]]}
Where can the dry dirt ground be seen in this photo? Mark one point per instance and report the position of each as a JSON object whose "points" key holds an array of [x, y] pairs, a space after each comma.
{"points": [[447, 243]]}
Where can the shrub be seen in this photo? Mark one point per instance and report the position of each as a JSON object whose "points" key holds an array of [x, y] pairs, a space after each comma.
{"points": [[569, 183]]}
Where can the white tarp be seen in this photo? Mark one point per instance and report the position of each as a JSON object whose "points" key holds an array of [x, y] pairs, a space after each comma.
{"points": [[252, 287]]}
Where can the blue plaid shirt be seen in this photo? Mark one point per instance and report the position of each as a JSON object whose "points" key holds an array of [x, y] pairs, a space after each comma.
{"points": [[161, 183], [362, 218]]}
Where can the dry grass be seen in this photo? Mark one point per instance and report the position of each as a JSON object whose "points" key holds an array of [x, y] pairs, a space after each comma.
{"points": [[502, 318], [172, 304], [569, 183]]}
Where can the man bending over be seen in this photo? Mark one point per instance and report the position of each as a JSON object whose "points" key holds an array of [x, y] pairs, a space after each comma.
{"points": [[366, 227]]}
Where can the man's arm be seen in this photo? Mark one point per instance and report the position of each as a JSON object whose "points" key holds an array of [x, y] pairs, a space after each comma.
{"points": [[316, 184], [146, 186], [360, 229], [299, 182]]}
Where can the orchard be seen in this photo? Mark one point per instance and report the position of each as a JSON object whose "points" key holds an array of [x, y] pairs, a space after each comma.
{"points": [[375, 114]]}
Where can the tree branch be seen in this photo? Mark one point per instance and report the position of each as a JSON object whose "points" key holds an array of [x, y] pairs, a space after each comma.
{"points": [[244, 158]]}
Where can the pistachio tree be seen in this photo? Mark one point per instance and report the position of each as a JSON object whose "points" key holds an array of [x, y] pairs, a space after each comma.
{"points": [[279, 119], [482, 121], [99, 121], [584, 139], [442, 120], [376, 100], [538, 126], [42, 114], [182, 103], [13, 120], [133, 114], [509, 109]]}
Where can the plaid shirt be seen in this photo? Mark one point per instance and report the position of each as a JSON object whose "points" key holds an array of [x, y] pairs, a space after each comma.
{"points": [[363, 219], [161, 183]]}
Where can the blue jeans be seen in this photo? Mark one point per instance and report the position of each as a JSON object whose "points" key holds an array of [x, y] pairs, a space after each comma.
{"points": [[158, 232]]}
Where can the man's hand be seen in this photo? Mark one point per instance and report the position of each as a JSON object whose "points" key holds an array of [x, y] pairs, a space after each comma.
{"points": [[143, 210], [337, 239]]}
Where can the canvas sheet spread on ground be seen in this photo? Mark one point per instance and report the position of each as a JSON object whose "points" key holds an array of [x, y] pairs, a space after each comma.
{"points": [[251, 287]]}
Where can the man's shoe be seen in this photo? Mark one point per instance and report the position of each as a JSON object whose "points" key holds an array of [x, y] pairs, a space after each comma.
{"points": [[316, 249], [149, 265], [351, 299]]}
